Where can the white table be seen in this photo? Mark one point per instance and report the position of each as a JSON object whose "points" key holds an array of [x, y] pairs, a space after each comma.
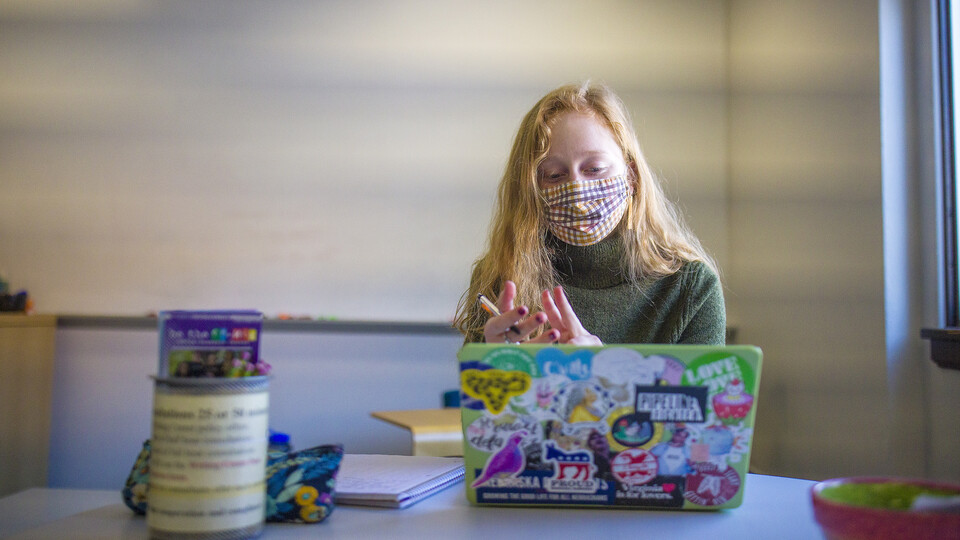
{"points": [[773, 507]]}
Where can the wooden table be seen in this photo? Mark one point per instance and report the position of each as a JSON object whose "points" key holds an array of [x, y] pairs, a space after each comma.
{"points": [[434, 432]]}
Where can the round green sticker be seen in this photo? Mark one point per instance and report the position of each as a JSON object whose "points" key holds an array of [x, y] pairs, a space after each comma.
{"points": [[716, 370], [512, 359]]}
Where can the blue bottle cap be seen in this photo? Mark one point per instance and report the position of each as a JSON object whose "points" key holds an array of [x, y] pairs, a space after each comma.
{"points": [[277, 437]]}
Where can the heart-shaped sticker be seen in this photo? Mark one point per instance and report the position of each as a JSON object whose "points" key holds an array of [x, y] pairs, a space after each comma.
{"points": [[667, 488]]}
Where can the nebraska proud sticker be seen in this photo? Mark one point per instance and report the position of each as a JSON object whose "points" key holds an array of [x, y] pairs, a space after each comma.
{"points": [[634, 466]]}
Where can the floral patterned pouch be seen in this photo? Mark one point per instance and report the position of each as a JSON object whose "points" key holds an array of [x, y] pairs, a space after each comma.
{"points": [[300, 485], [135, 490]]}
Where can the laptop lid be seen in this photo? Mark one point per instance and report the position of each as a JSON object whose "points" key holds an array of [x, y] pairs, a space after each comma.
{"points": [[636, 426]]}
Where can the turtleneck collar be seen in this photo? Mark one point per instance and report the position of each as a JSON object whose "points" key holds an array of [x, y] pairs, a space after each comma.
{"points": [[595, 266]]}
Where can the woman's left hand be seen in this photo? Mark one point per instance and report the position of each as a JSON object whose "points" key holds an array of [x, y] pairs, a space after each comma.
{"points": [[562, 318]]}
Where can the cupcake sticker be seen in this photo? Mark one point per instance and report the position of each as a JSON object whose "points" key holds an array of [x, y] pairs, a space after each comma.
{"points": [[733, 404]]}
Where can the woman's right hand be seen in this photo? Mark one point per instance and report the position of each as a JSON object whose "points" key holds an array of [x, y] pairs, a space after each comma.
{"points": [[515, 325], [563, 319]]}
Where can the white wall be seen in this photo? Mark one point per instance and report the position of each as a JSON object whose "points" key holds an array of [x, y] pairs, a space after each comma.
{"points": [[324, 387], [806, 268], [319, 158]]}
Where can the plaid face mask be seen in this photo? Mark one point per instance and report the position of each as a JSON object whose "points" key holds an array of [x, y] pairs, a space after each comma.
{"points": [[583, 213]]}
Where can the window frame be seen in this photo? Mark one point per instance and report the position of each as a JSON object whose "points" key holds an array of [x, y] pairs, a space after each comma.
{"points": [[949, 166]]}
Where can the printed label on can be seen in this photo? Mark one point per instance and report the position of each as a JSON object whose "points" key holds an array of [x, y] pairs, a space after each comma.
{"points": [[207, 462]]}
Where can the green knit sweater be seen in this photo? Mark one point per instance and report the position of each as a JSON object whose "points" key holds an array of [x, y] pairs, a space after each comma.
{"points": [[685, 307]]}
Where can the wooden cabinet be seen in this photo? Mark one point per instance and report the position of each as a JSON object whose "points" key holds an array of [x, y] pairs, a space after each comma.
{"points": [[26, 384]]}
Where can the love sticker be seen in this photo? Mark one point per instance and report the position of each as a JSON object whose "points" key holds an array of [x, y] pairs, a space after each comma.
{"points": [[494, 386]]}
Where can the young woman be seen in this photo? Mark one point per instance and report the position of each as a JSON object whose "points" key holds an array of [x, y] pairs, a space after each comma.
{"points": [[584, 234]]}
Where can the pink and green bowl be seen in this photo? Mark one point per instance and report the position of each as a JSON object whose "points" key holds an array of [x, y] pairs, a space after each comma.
{"points": [[882, 509]]}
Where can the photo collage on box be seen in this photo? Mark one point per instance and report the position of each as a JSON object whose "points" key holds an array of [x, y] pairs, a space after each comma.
{"points": [[208, 343], [607, 427]]}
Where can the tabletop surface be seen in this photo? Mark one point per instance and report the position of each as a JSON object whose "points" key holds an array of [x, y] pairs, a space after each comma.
{"points": [[773, 507]]}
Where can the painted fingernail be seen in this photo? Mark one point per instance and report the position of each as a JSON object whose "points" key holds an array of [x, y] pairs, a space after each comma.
{"points": [[522, 310], [554, 335], [541, 318]]}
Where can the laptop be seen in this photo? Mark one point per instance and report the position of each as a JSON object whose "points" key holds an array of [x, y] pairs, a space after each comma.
{"points": [[625, 426]]}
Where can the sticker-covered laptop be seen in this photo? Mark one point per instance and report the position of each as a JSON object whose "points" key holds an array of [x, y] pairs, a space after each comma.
{"points": [[628, 426]]}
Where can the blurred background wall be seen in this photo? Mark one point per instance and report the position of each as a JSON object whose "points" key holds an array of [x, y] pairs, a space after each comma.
{"points": [[340, 159], [806, 254], [324, 158]]}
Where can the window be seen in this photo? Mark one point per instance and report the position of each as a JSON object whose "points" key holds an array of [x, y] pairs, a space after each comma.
{"points": [[945, 342]]}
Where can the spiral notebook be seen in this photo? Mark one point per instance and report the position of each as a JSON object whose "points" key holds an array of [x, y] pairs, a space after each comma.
{"points": [[642, 426], [394, 481]]}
